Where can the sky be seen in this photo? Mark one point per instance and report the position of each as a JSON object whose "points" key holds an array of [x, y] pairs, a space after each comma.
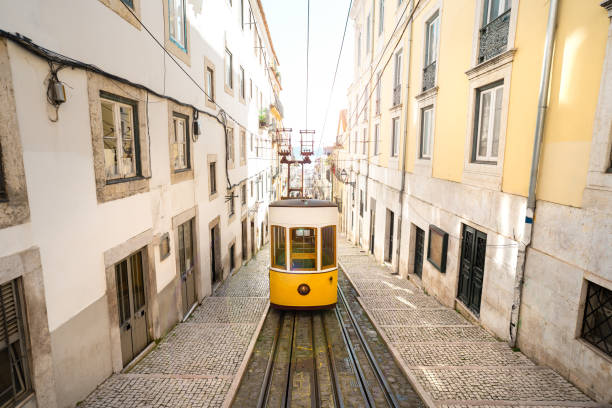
{"points": [[287, 21]]}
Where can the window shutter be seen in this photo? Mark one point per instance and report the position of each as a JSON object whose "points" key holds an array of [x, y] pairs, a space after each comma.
{"points": [[9, 323]]}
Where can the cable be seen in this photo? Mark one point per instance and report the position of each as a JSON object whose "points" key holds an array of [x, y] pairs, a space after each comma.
{"points": [[348, 14], [307, 56]]}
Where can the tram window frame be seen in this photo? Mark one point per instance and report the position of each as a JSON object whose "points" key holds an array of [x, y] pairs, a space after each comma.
{"points": [[292, 255], [273, 245], [333, 247]]}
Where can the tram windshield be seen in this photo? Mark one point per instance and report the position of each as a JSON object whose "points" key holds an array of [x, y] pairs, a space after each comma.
{"points": [[279, 259], [303, 249], [328, 245]]}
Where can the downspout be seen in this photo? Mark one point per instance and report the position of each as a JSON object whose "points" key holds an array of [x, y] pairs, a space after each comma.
{"points": [[404, 144], [367, 175], [533, 176]]}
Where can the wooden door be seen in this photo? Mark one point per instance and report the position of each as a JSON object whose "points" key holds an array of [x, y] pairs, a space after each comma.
{"points": [[215, 256], [187, 265], [419, 250], [245, 250], [372, 224], [132, 305], [471, 274]]}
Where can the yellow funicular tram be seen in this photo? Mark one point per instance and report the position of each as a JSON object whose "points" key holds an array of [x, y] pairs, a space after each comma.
{"points": [[303, 267]]}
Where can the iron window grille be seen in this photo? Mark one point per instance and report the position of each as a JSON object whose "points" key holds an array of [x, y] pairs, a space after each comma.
{"points": [[397, 93], [429, 76], [3, 194], [14, 374], [494, 37], [597, 319]]}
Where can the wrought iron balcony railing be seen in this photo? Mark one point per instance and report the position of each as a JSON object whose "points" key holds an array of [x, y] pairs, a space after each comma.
{"points": [[377, 106], [429, 76], [397, 93], [494, 37]]}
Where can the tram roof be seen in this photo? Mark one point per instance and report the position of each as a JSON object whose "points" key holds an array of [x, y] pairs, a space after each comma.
{"points": [[301, 202]]}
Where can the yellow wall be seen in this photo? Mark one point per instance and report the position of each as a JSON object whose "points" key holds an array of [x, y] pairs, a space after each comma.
{"points": [[578, 61], [456, 32]]}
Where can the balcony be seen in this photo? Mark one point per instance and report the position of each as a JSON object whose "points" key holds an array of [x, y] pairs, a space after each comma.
{"points": [[429, 76], [377, 106], [494, 37], [397, 94]]}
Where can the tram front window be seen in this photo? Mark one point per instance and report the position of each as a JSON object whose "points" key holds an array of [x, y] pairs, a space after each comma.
{"points": [[279, 259], [328, 245], [303, 249]]}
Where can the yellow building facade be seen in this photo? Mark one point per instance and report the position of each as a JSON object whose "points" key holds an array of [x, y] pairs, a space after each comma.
{"points": [[450, 98]]}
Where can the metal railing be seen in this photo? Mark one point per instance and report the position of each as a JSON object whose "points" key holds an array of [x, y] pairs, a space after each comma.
{"points": [[397, 93], [494, 37], [429, 76]]}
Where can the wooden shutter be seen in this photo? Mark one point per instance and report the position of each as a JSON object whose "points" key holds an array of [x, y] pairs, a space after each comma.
{"points": [[9, 314]]}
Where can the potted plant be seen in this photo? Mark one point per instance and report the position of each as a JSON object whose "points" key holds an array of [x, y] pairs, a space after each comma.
{"points": [[263, 118]]}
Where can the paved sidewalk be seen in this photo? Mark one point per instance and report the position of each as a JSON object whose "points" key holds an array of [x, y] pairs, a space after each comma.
{"points": [[195, 365], [450, 361]]}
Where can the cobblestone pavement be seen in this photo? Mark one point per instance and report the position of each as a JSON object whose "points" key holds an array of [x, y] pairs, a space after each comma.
{"points": [[195, 363], [450, 361]]}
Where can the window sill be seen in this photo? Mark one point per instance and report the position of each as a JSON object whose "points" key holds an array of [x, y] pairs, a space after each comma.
{"points": [[123, 180], [491, 65], [597, 351], [430, 93], [228, 90], [395, 108]]}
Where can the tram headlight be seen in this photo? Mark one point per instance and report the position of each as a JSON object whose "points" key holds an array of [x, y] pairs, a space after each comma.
{"points": [[303, 289]]}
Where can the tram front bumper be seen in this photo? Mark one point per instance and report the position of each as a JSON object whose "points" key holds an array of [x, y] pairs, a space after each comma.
{"points": [[291, 290]]}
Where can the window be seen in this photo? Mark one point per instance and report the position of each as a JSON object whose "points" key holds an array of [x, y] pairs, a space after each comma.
{"points": [[279, 252], [328, 247], [397, 78], [242, 145], [495, 29], [129, 3], [212, 172], [378, 90], [242, 14], [366, 100], [368, 23], [597, 319], [243, 195], [250, 88], [120, 137], [185, 247], [180, 143], [364, 142], [355, 141], [303, 249], [426, 132], [487, 124], [431, 52], [395, 129], [210, 83], [14, 379], [231, 203], [381, 16], [376, 138], [361, 203], [177, 23], [230, 144], [242, 84], [3, 194], [252, 145], [228, 69]]}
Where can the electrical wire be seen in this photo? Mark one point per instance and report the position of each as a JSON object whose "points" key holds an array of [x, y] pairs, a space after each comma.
{"points": [[307, 58], [348, 14]]}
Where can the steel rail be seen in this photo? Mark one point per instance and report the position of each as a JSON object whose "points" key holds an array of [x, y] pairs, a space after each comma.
{"points": [[389, 394], [332, 366], [265, 385]]}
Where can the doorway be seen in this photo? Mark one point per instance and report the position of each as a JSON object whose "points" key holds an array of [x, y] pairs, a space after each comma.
{"points": [[252, 238], [215, 255], [372, 224], [471, 274], [419, 250], [245, 249], [187, 265], [132, 305], [389, 236]]}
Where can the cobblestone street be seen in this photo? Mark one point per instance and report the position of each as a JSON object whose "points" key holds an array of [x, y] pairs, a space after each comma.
{"points": [[196, 364], [450, 361]]}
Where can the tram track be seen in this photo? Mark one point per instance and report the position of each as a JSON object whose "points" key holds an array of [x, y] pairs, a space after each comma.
{"points": [[323, 359]]}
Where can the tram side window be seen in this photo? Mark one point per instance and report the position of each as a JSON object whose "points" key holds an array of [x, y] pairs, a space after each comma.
{"points": [[303, 249], [328, 247], [279, 259]]}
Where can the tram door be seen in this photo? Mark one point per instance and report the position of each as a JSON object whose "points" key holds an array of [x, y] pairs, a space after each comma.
{"points": [[132, 305], [471, 274]]}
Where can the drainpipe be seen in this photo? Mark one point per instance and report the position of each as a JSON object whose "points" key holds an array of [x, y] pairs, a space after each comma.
{"points": [[367, 175], [535, 160], [404, 144]]}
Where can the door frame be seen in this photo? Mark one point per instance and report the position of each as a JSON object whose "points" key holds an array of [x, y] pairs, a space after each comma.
{"points": [[215, 223], [466, 305], [177, 220], [145, 242]]}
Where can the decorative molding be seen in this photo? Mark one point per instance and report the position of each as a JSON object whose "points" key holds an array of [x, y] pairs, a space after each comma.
{"points": [[491, 65], [431, 92]]}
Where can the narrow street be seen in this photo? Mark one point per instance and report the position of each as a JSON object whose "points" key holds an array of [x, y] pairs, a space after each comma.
{"points": [[198, 361]]}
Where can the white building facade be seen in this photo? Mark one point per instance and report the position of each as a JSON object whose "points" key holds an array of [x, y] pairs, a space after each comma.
{"points": [[127, 177]]}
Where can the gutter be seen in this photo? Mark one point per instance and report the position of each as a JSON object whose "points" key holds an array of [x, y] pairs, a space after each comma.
{"points": [[533, 176], [404, 144]]}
